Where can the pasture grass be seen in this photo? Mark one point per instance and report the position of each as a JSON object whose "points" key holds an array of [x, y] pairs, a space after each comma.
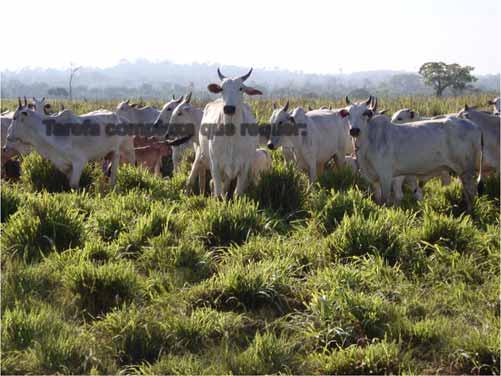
{"points": [[292, 278]]}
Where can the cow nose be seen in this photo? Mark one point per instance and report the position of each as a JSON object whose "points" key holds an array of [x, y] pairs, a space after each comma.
{"points": [[354, 132], [229, 110], [271, 146]]}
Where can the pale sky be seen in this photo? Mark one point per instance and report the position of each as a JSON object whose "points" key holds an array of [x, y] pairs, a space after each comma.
{"points": [[310, 35]]}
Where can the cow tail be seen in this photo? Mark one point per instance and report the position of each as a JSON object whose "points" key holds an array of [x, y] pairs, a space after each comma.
{"points": [[480, 185]]}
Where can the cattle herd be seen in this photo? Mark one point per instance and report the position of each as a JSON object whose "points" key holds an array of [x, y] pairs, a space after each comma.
{"points": [[388, 152]]}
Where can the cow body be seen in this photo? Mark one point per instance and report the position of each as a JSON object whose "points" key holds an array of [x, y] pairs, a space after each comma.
{"points": [[490, 125], [321, 135], [386, 150], [70, 153]]}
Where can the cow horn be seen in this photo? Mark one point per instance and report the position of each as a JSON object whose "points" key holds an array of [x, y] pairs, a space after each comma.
{"points": [[466, 108], [369, 100], [374, 104], [286, 107], [246, 76], [221, 76], [20, 104], [310, 108], [43, 99], [347, 100], [25, 102], [188, 97], [274, 106], [62, 107], [179, 100], [127, 101]]}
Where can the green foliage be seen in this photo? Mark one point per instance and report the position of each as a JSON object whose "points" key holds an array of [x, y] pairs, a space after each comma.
{"points": [[222, 223], [378, 358], [331, 208], [39, 174], [295, 278], [267, 354], [442, 76], [458, 234], [379, 234], [283, 189], [10, 201], [99, 288], [39, 340], [43, 225]]}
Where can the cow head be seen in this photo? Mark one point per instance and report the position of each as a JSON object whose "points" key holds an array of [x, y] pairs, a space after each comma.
{"points": [[496, 103], [232, 90], [25, 123], [166, 112], [40, 106], [279, 120], [359, 114], [182, 121], [404, 115]]}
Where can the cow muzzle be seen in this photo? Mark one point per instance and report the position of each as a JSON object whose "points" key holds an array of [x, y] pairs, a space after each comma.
{"points": [[229, 110], [270, 145], [354, 132]]}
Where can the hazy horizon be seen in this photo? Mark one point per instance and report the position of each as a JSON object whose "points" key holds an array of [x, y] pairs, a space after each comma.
{"points": [[318, 38]]}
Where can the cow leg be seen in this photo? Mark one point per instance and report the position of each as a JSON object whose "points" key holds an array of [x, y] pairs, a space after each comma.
{"points": [[195, 168], [158, 164], [76, 171], [242, 182], [320, 168], [313, 172], [114, 167], [202, 180], [217, 179], [469, 190], [175, 158], [385, 183], [397, 183], [129, 154]]}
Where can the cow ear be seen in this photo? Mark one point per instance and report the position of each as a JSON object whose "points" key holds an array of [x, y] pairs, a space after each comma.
{"points": [[215, 88], [252, 91], [24, 113], [343, 113], [292, 120]]}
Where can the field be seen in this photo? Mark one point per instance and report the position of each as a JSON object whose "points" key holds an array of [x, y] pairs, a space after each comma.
{"points": [[293, 278]]}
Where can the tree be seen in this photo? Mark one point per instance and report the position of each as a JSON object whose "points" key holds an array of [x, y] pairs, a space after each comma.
{"points": [[58, 92], [73, 71], [441, 76]]}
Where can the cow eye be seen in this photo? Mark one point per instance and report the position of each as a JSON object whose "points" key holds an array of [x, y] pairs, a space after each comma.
{"points": [[169, 109], [241, 89], [179, 113], [280, 122]]}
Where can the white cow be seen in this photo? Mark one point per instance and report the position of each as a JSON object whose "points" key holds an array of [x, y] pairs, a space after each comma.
{"points": [[386, 150], [409, 116], [490, 125], [406, 115], [40, 106], [261, 163], [317, 136], [68, 151], [163, 120], [233, 136], [496, 102], [184, 128], [136, 115]]}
